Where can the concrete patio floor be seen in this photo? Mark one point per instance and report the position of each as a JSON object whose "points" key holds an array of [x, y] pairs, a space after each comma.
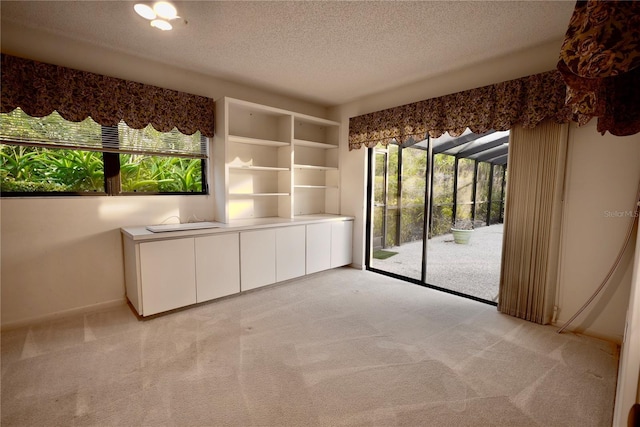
{"points": [[472, 269]]}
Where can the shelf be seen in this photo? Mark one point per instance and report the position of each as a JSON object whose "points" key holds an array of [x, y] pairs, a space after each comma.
{"points": [[258, 194], [256, 141], [259, 108], [303, 118], [257, 168], [260, 153], [317, 168], [313, 144]]}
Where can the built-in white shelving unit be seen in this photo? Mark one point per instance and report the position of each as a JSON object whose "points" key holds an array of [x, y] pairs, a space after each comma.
{"points": [[269, 162]]}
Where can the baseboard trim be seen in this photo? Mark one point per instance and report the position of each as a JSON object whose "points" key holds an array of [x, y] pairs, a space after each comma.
{"points": [[6, 326], [615, 339]]}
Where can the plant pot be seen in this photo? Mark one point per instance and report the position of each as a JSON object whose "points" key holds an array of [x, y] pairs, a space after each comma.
{"points": [[461, 236]]}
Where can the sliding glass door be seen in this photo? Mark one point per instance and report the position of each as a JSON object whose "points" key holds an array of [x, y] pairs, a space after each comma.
{"points": [[420, 192], [398, 225]]}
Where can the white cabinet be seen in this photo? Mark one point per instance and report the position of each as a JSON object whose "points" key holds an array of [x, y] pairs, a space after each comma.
{"points": [[163, 275], [341, 243], [318, 247], [254, 173], [217, 266], [328, 245], [257, 258], [167, 275], [290, 252], [169, 270]]}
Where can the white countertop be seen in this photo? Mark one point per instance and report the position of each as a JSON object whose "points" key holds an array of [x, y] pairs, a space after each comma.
{"points": [[141, 233]]}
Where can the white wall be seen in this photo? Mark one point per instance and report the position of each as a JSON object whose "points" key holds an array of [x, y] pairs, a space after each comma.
{"points": [[61, 255], [65, 253], [600, 188]]}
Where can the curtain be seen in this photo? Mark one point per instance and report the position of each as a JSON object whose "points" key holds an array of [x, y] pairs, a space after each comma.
{"points": [[39, 89], [532, 221], [600, 63], [526, 101]]}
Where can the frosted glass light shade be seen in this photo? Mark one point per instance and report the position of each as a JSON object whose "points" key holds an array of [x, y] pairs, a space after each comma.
{"points": [[145, 11], [165, 10], [161, 24]]}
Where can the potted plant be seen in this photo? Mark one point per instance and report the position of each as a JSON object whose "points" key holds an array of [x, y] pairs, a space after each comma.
{"points": [[462, 230]]}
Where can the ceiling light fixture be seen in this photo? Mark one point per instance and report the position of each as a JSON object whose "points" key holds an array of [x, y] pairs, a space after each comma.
{"points": [[161, 24], [145, 11], [159, 14], [165, 10]]}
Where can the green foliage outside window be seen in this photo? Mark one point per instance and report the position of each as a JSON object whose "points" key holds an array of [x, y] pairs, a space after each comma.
{"points": [[35, 169], [160, 174], [414, 167], [414, 181], [442, 209], [414, 177]]}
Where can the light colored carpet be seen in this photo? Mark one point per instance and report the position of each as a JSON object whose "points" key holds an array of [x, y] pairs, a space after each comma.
{"points": [[343, 347]]}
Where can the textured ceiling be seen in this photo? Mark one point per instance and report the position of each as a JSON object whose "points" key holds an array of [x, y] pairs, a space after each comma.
{"points": [[329, 52]]}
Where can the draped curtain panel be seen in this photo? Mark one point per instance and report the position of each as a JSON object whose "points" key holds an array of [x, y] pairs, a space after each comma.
{"points": [[532, 224], [600, 63], [526, 101], [39, 89]]}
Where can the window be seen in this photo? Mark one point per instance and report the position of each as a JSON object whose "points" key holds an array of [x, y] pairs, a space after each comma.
{"points": [[53, 156]]}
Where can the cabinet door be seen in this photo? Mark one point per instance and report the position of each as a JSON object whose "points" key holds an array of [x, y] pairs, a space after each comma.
{"points": [[132, 273], [257, 258], [341, 237], [290, 252], [217, 266], [318, 247], [167, 271]]}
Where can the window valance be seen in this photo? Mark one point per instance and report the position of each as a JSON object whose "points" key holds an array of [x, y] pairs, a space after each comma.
{"points": [[526, 101], [39, 89], [600, 62]]}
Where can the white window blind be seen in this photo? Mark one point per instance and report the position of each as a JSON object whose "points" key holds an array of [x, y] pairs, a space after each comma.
{"points": [[53, 131]]}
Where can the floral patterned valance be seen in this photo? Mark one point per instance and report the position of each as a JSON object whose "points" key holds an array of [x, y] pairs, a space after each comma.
{"points": [[526, 101], [600, 62], [39, 89]]}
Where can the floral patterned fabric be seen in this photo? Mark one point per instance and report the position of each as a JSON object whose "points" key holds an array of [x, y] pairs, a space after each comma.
{"points": [[526, 101], [39, 89], [600, 63]]}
